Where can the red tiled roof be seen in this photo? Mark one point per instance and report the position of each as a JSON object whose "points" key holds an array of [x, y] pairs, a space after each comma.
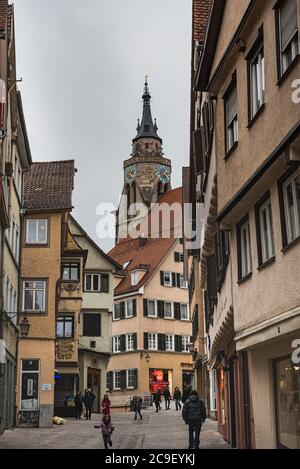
{"points": [[153, 251], [49, 186], [201, 13]]}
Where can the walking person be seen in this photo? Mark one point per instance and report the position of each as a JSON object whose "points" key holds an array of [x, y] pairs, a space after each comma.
{"points": [[78, 405], [88, 400], [106, 405], [107, 429], [137, 407], [157, 400], [167, 396], [194, 415], [177, 398]]}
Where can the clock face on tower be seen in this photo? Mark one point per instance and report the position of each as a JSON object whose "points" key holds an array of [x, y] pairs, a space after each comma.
{"points": [[130, 174], [163, 173]]}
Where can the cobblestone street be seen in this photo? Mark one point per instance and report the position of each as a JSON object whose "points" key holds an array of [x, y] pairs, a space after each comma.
{"points": [[165, 430]]}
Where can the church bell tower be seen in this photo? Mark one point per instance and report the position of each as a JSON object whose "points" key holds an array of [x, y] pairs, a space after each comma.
{"points": [[147, 173]]}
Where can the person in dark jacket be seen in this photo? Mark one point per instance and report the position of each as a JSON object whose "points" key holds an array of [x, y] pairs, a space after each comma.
{"points": [[177, 398], [167, 396], [157, 399], [137, 407], [88, 400], [78, 405], [194, 415], [186, 393]]}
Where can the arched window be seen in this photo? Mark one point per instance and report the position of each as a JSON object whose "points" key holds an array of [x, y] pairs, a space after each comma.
{"points": [[160, 189]]}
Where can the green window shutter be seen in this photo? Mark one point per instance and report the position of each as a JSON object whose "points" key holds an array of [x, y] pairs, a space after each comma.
{"points": [[123, 343], [122, 310], [161, 309], [177, 312], [161, 342], [123, 379], [146, 341], [110, 380], [176, 257], [104, 283], [135, 341], [162, 282], [135, 378], [134, 307], [178, 343], [145, 308], [174, 279]]}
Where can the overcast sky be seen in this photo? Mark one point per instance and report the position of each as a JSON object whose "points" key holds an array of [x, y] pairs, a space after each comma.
{"points": [[83, 65]]}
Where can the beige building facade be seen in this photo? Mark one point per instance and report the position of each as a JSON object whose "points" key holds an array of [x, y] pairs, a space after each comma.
{"points": [[248, 177]]}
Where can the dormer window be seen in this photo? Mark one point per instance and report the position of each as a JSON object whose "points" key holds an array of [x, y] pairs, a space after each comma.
{"points": [[134, 278]]}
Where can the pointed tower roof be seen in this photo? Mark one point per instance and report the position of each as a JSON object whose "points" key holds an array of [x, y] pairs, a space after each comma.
{"points": [[146, 129]]}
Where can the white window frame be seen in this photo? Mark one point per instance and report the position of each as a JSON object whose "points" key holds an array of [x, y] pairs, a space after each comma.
{"points": [[154, 345], [127, 378], [187, 311], [232, 132], [168, 283], [155, 307], [34, 289], [172, 310], [92, 274], [266, 232], [134, 278], [170, 344], [130, 340], [117, 344], [183, 282], [245, 250], [114, 380], [128, 316], [37, 242], [185, 342], [257, 81], [294, 218], [292, 46]]}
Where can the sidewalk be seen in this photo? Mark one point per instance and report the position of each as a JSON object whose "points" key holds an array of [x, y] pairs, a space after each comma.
{"points": [[164, 430]]}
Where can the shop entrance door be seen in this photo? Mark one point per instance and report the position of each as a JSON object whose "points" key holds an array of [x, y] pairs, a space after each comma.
{"points": [[93, 382], [232, 404]]}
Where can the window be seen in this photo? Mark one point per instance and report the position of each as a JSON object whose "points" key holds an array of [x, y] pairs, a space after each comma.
{"points": [[134, 279], [170, 346], [152, 313], [244, 254], [185, 343], [92, 324], [168, 310], [117, 379], [64, 327], [287, 30], [96, 283], [130, 310], [182, 282], [30, 385], [152, 341], [117, 344], [257, 80], [184, 312], [117, 311], [291, 202], [167, 279], [178, 257], [231, 117], [34, 293], [36, 231], [266, 249], [130, 342], [70, 272], [17, 245], [131, 379]]}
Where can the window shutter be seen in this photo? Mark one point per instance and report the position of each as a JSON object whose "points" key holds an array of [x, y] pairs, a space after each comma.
{"points": [[146, 340], [174, 279], [161, 342], [112, 345], [122, 310], [104, 287], [198, 151], [117, 311], [178, 280], [145, 308], [135, 341], [177, 313], [123, 343], [135, 378], [134, 307], [176, 257], [123, 379], [110, 380], [231, 106], [2, 102], [161, 309], [162, 282], [288, 21], [178, 343]]}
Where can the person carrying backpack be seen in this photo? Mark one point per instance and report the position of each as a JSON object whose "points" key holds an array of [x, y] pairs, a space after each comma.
{"points": [[194, 415]]}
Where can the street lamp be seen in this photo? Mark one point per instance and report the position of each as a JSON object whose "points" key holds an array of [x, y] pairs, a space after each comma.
{"points": [[147, 358], [24, 324], [191, 345]]}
